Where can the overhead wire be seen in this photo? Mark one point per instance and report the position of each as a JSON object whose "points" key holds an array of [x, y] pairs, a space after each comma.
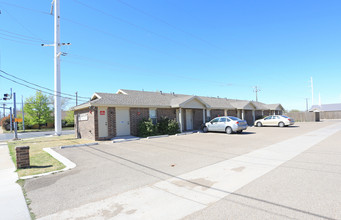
{"points": [[23, 26], [167, 23], [136, 26], [17, 41], [42, 87], [19, 83]]}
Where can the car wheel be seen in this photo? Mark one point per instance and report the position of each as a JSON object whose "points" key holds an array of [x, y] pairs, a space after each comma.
{"points": [[281, 124], [228, 130], [259, 124], [205, 129]]}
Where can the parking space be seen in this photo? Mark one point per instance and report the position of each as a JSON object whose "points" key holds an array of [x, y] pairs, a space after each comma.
{"points": [[109, 169]]}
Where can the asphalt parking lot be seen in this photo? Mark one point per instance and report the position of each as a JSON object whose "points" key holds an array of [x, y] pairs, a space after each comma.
{"points": [[304, 187]]}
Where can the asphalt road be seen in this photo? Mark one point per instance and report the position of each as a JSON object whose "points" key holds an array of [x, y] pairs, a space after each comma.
{"points": [[9, 136], [189, 177]]}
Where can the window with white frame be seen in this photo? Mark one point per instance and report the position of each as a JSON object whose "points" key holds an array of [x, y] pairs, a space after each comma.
{"points": [[152, 115]]}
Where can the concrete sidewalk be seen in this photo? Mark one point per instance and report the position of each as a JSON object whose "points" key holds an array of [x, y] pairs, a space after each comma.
{"points": [[12, 200]]}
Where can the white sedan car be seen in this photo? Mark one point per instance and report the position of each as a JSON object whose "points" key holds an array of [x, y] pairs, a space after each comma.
{"points": [[275, 120], [228, 124]]}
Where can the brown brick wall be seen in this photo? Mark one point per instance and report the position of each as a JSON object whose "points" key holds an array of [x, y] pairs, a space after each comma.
{"points": [[85, 129], [197, 119], [136, 115], [258, 114], [111, 122], [23, 156], [216, 113], [166, 112], [266, 112], [232, 113]]}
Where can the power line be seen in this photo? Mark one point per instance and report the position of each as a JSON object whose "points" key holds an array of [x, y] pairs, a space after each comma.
{"points": [[35, 88], [17, 41], [136, 26], [21, 35], [19, 6], [62, 93], [23, 26], [20, 38], [167, 23], [116, 36]]}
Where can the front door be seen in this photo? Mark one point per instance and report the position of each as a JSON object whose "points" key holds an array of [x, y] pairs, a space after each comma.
{"points": [[189, 119], [102, 122], [122, 121]]}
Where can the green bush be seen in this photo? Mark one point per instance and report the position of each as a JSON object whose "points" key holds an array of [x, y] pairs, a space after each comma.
{"points": [[163, 126], [173, 127], [147, 128]]}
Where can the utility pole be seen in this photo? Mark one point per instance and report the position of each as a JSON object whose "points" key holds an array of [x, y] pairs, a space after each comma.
{"points": [[57, 87], [306, 103], [15, 118], [10, 118], [55, 7], [4, 106], [23, 113], [256, 90], [76, 98], [312, 91]]}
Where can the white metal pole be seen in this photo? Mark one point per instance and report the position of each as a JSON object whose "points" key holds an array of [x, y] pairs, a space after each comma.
{"points": [[57, 87], [15, 117], [312, 91]]}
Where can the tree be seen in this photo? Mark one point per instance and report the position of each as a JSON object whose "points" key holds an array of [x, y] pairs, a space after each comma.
{"points": [[37, 109], [70, 118], [64, 102]]}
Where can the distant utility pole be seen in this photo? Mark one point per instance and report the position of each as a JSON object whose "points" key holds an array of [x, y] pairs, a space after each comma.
{"points": [[306, 103], [256, 90], [312, 91], [15, 117], [23, 113], [4, 106], [57, 87], [76, 98]]}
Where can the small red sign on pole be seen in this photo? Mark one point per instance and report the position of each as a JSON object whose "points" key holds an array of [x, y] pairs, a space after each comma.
{"points": [[102, 112]]}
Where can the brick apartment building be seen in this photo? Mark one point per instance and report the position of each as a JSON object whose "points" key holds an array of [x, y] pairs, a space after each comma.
{"points": [[108, 115]]}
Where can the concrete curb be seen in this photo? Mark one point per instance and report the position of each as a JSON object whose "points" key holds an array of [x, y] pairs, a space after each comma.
{"points": [[158, 136], [68, 164], [78, 145], [124, 140], [185, 133]]}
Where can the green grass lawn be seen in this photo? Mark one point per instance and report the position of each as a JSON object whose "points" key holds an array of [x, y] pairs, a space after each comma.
{"points": [[43, 129], [41, 161]]}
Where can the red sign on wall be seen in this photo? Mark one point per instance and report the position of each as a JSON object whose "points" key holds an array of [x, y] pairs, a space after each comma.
{"points": [[102, 112]]}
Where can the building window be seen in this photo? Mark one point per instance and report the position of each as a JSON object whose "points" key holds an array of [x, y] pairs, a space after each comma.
{"points": [[152, 115]]}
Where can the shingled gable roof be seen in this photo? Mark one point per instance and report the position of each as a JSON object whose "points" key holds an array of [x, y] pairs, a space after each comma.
{"points": [[275, 106], [135, 98]]}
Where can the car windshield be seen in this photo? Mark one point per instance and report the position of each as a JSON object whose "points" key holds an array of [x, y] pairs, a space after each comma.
{"points": [[234, 118]]}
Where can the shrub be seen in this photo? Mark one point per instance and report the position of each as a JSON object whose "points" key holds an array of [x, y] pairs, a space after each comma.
{"points": [[5, 123], [162, 125], [146, 128], [173, 127]]}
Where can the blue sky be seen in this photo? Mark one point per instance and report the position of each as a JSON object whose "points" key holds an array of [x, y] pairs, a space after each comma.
{"points": [[209, 48]]}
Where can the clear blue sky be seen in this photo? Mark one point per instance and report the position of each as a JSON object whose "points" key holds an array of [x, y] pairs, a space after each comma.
{"points": [[210, 48]]}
